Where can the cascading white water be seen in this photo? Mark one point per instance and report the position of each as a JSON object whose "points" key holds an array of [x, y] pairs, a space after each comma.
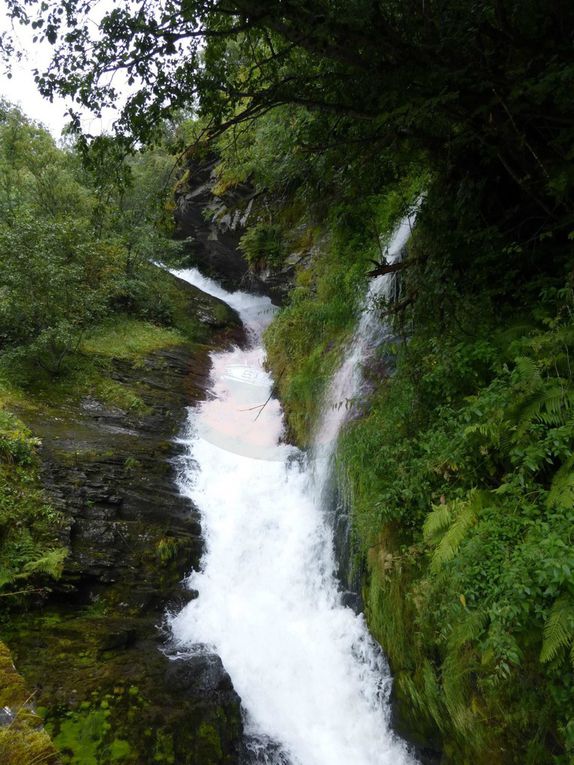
{"points": [[309, 675], [347, 381]]}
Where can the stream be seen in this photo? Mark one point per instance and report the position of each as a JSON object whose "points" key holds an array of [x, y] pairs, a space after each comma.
{"points": [[314, 685]]}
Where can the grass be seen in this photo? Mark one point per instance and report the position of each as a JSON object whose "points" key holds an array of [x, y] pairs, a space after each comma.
{"points": [[126, 338]]}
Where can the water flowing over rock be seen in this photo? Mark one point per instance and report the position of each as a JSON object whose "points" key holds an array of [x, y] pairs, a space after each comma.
{"points": [[314, 686]]}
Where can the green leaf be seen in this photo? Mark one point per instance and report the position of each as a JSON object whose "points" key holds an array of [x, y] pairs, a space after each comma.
{"points": [[559, 628]]}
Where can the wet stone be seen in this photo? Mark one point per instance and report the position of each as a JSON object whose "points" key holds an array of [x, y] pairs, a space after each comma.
{"points": [[198, 675]]}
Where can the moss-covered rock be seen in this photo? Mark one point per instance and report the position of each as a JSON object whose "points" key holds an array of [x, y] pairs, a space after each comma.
{"points": [[23, 739]]}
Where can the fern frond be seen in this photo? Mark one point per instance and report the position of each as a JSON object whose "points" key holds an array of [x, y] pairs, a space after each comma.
{"points": [[559, 628], [551, 404], [437, 522], [453, 538], [468, 629], [561, 492], [528, 372], [557, 403], [50, 564]]}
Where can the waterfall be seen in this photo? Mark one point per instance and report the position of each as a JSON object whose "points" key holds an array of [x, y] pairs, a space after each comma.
{"points": [[314, 685], [347, 382]]}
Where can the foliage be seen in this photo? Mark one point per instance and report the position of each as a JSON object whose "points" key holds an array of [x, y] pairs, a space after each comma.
{"points": [[262, 244], [465, 458], [457, 469], [30, 552], [305, 340], [75, 241], [482, 90]]}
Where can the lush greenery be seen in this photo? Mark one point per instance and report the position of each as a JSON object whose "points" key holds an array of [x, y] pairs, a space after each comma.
{"points": [[459, 471], [75, 244], [30, 550], [484, 87], [81, 307], [459, 476]]}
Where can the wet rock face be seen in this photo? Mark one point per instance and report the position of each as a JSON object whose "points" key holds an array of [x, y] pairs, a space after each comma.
{"points": [[198, 674], [113, 474], [213, 226], [96, 652]]}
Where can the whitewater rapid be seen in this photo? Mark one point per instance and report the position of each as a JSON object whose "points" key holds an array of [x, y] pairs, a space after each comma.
{"points": [[309, 675]]}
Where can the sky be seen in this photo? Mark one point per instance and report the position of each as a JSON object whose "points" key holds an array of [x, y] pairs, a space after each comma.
{"points": [[21, 89]]}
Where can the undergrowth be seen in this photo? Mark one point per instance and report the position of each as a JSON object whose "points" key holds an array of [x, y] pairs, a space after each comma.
{"points": [[305, 341]]}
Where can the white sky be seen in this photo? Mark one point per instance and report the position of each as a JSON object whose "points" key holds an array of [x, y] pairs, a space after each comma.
{"points": [[21, 89]]}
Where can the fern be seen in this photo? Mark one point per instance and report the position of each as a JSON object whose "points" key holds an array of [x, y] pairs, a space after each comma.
{"points": [[469, 629], [51, 564], [528, 372], [550, 404], [494, 431], [561, 494], [559, 629], [466, 513], [437, 522]]}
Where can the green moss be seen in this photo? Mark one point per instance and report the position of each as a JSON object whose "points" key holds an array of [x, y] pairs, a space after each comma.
{"points": [[29, 549], [208, 747], [263, 245], [23, 740], [125, 338], [163, 751], [119, 750], [80, 737]]}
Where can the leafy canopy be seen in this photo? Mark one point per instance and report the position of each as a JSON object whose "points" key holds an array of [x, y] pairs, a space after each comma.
{"points": [[484, 87]]}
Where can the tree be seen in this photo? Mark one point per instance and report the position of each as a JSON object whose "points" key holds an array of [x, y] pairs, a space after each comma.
{"points": [[483, 88], [75, 242]]}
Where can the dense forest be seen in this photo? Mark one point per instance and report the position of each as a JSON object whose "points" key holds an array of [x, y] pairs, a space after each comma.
{"points": [[458, 466]]}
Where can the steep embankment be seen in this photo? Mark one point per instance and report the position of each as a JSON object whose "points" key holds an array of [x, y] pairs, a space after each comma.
{"points": [[87, 640], [455, 470]]}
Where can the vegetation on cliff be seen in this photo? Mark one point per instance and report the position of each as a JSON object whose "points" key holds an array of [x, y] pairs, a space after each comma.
{"points": [[76, 286]]}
